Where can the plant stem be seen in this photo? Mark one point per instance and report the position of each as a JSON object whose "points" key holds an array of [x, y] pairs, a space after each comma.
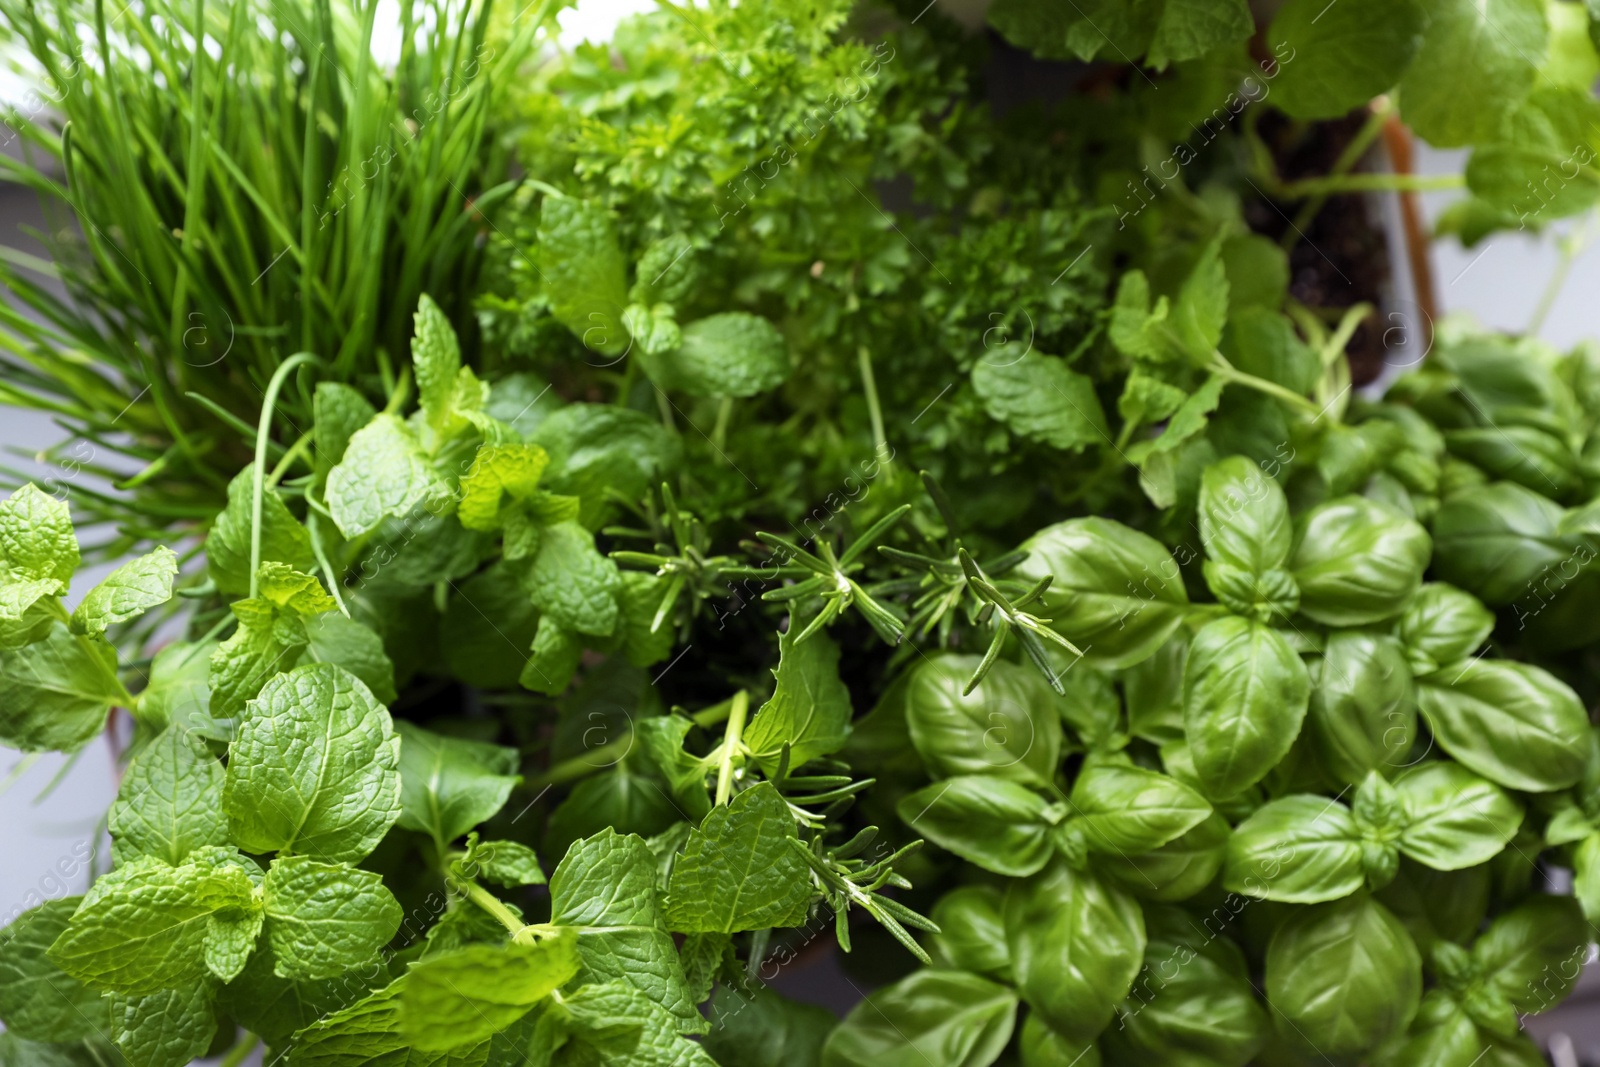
{"points": [[869, 385], [1382, 108], [1221, 367], [570, 770], [297, 450], [1334, 184], [1569, 246], [241, 1049], [263, 430], [719, 432], [491, 904], [730, 744]]}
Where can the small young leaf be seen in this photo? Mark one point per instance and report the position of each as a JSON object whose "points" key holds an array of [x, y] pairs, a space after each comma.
{"points": [[128, 592], [462, 997]]}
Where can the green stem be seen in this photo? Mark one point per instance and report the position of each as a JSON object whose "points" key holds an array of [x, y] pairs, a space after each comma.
{"points": [[263, 430], [491, 904], [1221, 367], [1348, 158], [322, 561], [1334, 184], [730, 744], [719, 432], [242, 1049], [296, 450], [1570, 246], [869, 385], [124, 699]]}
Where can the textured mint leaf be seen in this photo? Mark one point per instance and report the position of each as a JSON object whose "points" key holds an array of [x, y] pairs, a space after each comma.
{"points": [[325, 918], [166, 1029], [38, 1000], [339, 411], [435, 359], [170, 800], [731, 354], [738, 871], [638, 598], [1344, 55], [654, 329], [283, 538], [140, 929], [1040, 399], [665, 273], [596, 447], [705, 957], [36, 539], [383, 473], [275, 1007], [621, 1026], [554, 660], [508, 863], [368, 1032], [573, 583], [270, 637], [661, 739], [498, 471], [54, 693], [1478, 60], [585, 278], [466, 996], [230, 940], [810, 706], [448, 785], [315, 767], [31, 623], [357, 648], [128, 592], [606, 886], [1188, 29]]}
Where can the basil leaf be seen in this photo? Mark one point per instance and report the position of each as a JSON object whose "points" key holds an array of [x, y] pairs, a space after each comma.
{"points": [[1513, 723], [1006, 728], [997, 824], [1362, 716], [1438, 905], [1244, 516], [1356, 561], [1454, 819], [1496, 539], [1192, 1002], [972, 932], [315, 767], [733, 354], [1178, 869], [1245, 693], [810, 707], [1153, 691], [945, 1017], [1040, 1046], [1124, 809], [1343, 977], [1442, 625], [39, 1001], [448, 785], [170, 800], [1533, 953], [167, 1029], [1300, 849], [1039, 398], [1116, 593], [1076, 945], [463, 997], [128, 592], [739, 870]]}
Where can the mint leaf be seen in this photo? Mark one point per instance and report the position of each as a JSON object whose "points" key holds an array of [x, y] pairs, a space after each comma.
{"points": [[179, 689], [738, 871], [128, 592], [665, 273], [448, 785], [508, 863], [38, 1001], [1478, 60], [1344, 54], [623, 1027], [170, 801], [1542, 138], [315, 767], [36, 539], [339, 411], [435, 360], [383, 473], [369, 1032], [283, 538], [599, 447], [167, 1029], [488, 627], [498, 471], [335, 639], [466, 996], [324, 918], [732, 354], [1188, 29], [269, 639], [275, 1008], [609, 881], [810, 706], [585, 278], [141, 928], [54, 693], [572, 583], [556, 652], [653, 329], [661, 740], [1040, 399], [638, 597], [230, 939]]}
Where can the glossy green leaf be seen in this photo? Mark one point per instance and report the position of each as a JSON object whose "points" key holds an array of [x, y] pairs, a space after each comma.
{"points": [[1454, 818], [1357, 561], [1513, 723], [1005, 728], [463, 997], [1362, 715], [945, 1017], [1245, 693], [993, 822], [1342, 56]]}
